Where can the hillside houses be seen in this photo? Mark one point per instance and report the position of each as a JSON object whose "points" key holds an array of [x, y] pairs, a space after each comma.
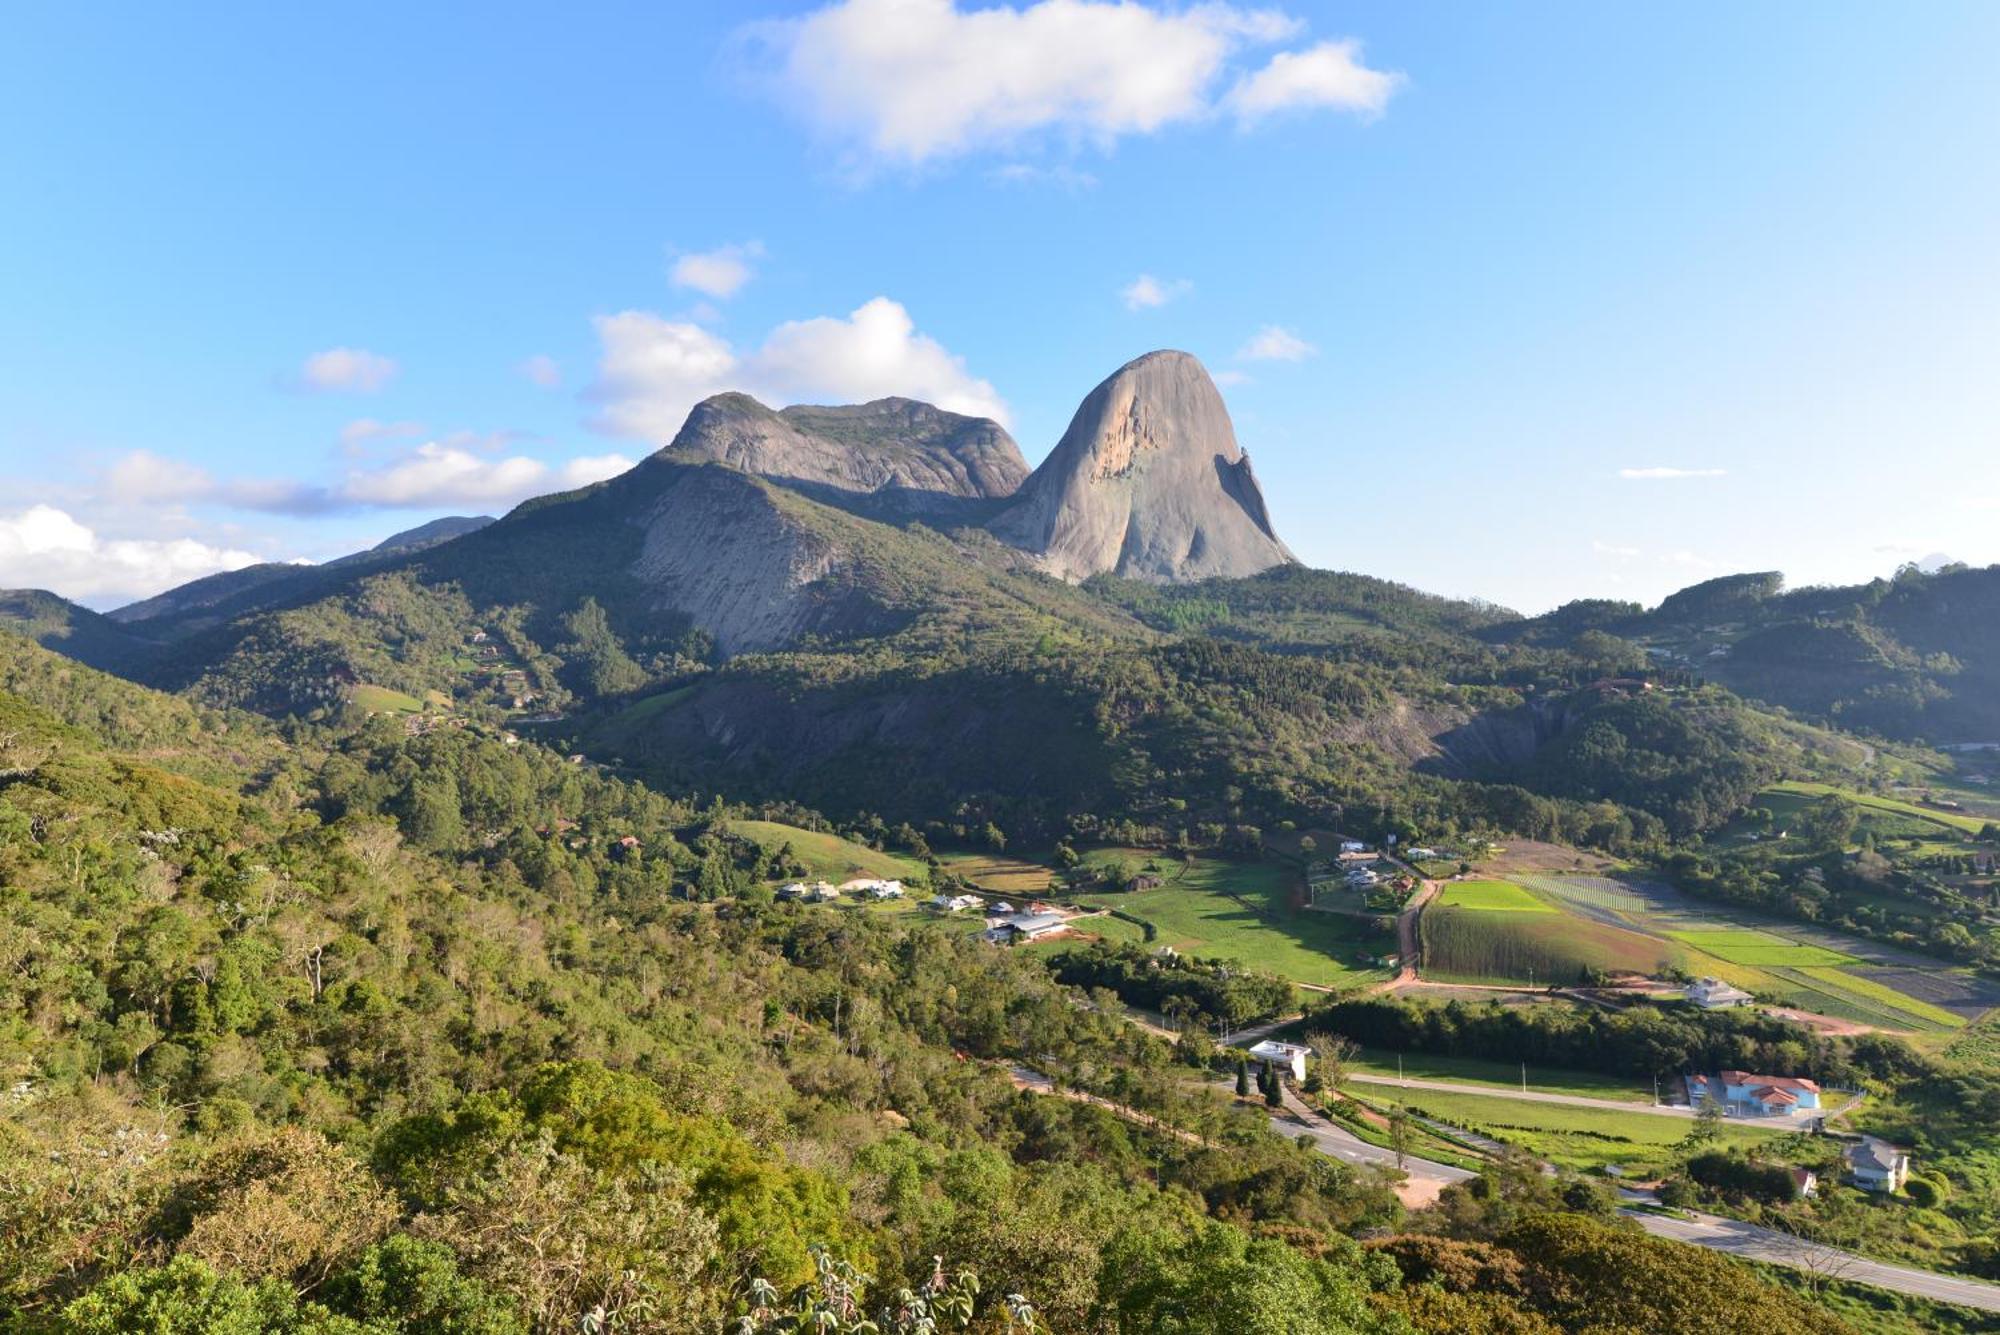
{"points": [[945, 903]]}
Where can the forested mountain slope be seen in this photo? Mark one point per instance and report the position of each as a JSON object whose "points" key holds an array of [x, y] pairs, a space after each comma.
{"points": [[1914, 657], [380, 1033]]}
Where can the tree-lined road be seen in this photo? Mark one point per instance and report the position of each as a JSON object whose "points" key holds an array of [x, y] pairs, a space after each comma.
{"points": [[1775, 1248]]}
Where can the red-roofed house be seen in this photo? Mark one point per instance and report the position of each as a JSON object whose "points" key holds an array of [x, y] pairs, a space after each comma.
{"points": [[1742, 1094]]}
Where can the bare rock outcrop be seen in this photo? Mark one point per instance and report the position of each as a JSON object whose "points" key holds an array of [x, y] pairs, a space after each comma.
{"points": [[892, 458], [1147, 483]]}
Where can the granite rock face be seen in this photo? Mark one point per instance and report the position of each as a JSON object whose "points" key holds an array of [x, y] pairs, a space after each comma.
{"points": [[1148, 483], [893, 458]]}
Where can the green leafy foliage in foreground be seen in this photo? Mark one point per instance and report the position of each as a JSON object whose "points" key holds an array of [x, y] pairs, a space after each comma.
{"points": [[398, 1034]]}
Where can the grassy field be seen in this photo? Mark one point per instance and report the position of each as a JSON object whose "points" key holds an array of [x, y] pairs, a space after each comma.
{"points": [[1888, 806], [1759, 949], [1502, 1076], [1581, 1138], [828, 856], [382, 700], [1242, 910], [1492, 897]]}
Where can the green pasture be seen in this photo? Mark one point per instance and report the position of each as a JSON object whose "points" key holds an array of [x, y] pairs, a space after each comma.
{"points": [[1758, 949], [828, 856]]}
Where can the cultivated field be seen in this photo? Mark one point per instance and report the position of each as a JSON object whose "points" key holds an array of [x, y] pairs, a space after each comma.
{"points": [[1492, 897], [1761, 949]]}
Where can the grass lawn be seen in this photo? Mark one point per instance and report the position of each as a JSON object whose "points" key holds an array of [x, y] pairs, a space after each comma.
{"points": [[1759, 949], [1580, 1138], [828, 856], [382, 700], [1491, 897], [1503, 1076], [1241, 910]]}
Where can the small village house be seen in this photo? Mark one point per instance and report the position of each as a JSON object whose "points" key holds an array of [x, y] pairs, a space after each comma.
{"points": [[1285, 1058], [1876, 1165], [1712, 994]]}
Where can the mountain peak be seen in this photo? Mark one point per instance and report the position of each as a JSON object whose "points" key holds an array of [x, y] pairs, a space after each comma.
{"points": [[1148, 483], [895, 457]]}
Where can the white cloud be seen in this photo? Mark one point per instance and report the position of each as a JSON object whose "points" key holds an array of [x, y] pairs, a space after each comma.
{"points": [[1669, 474], [1622, 553], [346, 371], [1229, 377], [436, 475], [1027, 174], [718, 273], [358, 435], [1328, 75], [1274, 343], [912, 81], [654, 369], [874, 353], [1147, 292], [540, 369], [45, 548], [461, 469]]}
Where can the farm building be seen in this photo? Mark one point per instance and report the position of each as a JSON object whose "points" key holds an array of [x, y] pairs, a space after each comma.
{"points": [[1876, 1165], [1742, 1094], [874, 886], [1287, 1058], [1712, 994], [822, 893], [1019, 927]]}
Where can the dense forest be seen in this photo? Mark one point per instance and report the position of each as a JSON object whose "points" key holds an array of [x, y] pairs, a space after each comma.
{"points": [[330, 1028]]}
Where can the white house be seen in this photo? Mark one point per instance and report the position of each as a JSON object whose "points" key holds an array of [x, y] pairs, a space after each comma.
{"points": [[1876, 1165], [1288, 1058], [1362, 877], [886, 890], [944, 903], [792, 890], [1353, 846], [1002, 908], [822, 893], [1019, 927], [1712, 994]]}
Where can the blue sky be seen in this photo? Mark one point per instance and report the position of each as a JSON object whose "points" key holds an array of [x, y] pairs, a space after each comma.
{"points": [[1531, 305]]}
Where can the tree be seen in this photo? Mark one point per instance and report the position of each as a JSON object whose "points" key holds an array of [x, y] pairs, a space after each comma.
{"points": [[1400, 1134], [1242, 1077], [1274, 1091]]}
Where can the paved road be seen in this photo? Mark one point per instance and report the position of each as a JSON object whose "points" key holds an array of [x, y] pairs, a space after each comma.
{"points": [[1769, 1245], [1423, 1179]]}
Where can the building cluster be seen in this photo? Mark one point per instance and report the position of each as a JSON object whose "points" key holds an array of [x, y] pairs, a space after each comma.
{"points": [[825, 892]]}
